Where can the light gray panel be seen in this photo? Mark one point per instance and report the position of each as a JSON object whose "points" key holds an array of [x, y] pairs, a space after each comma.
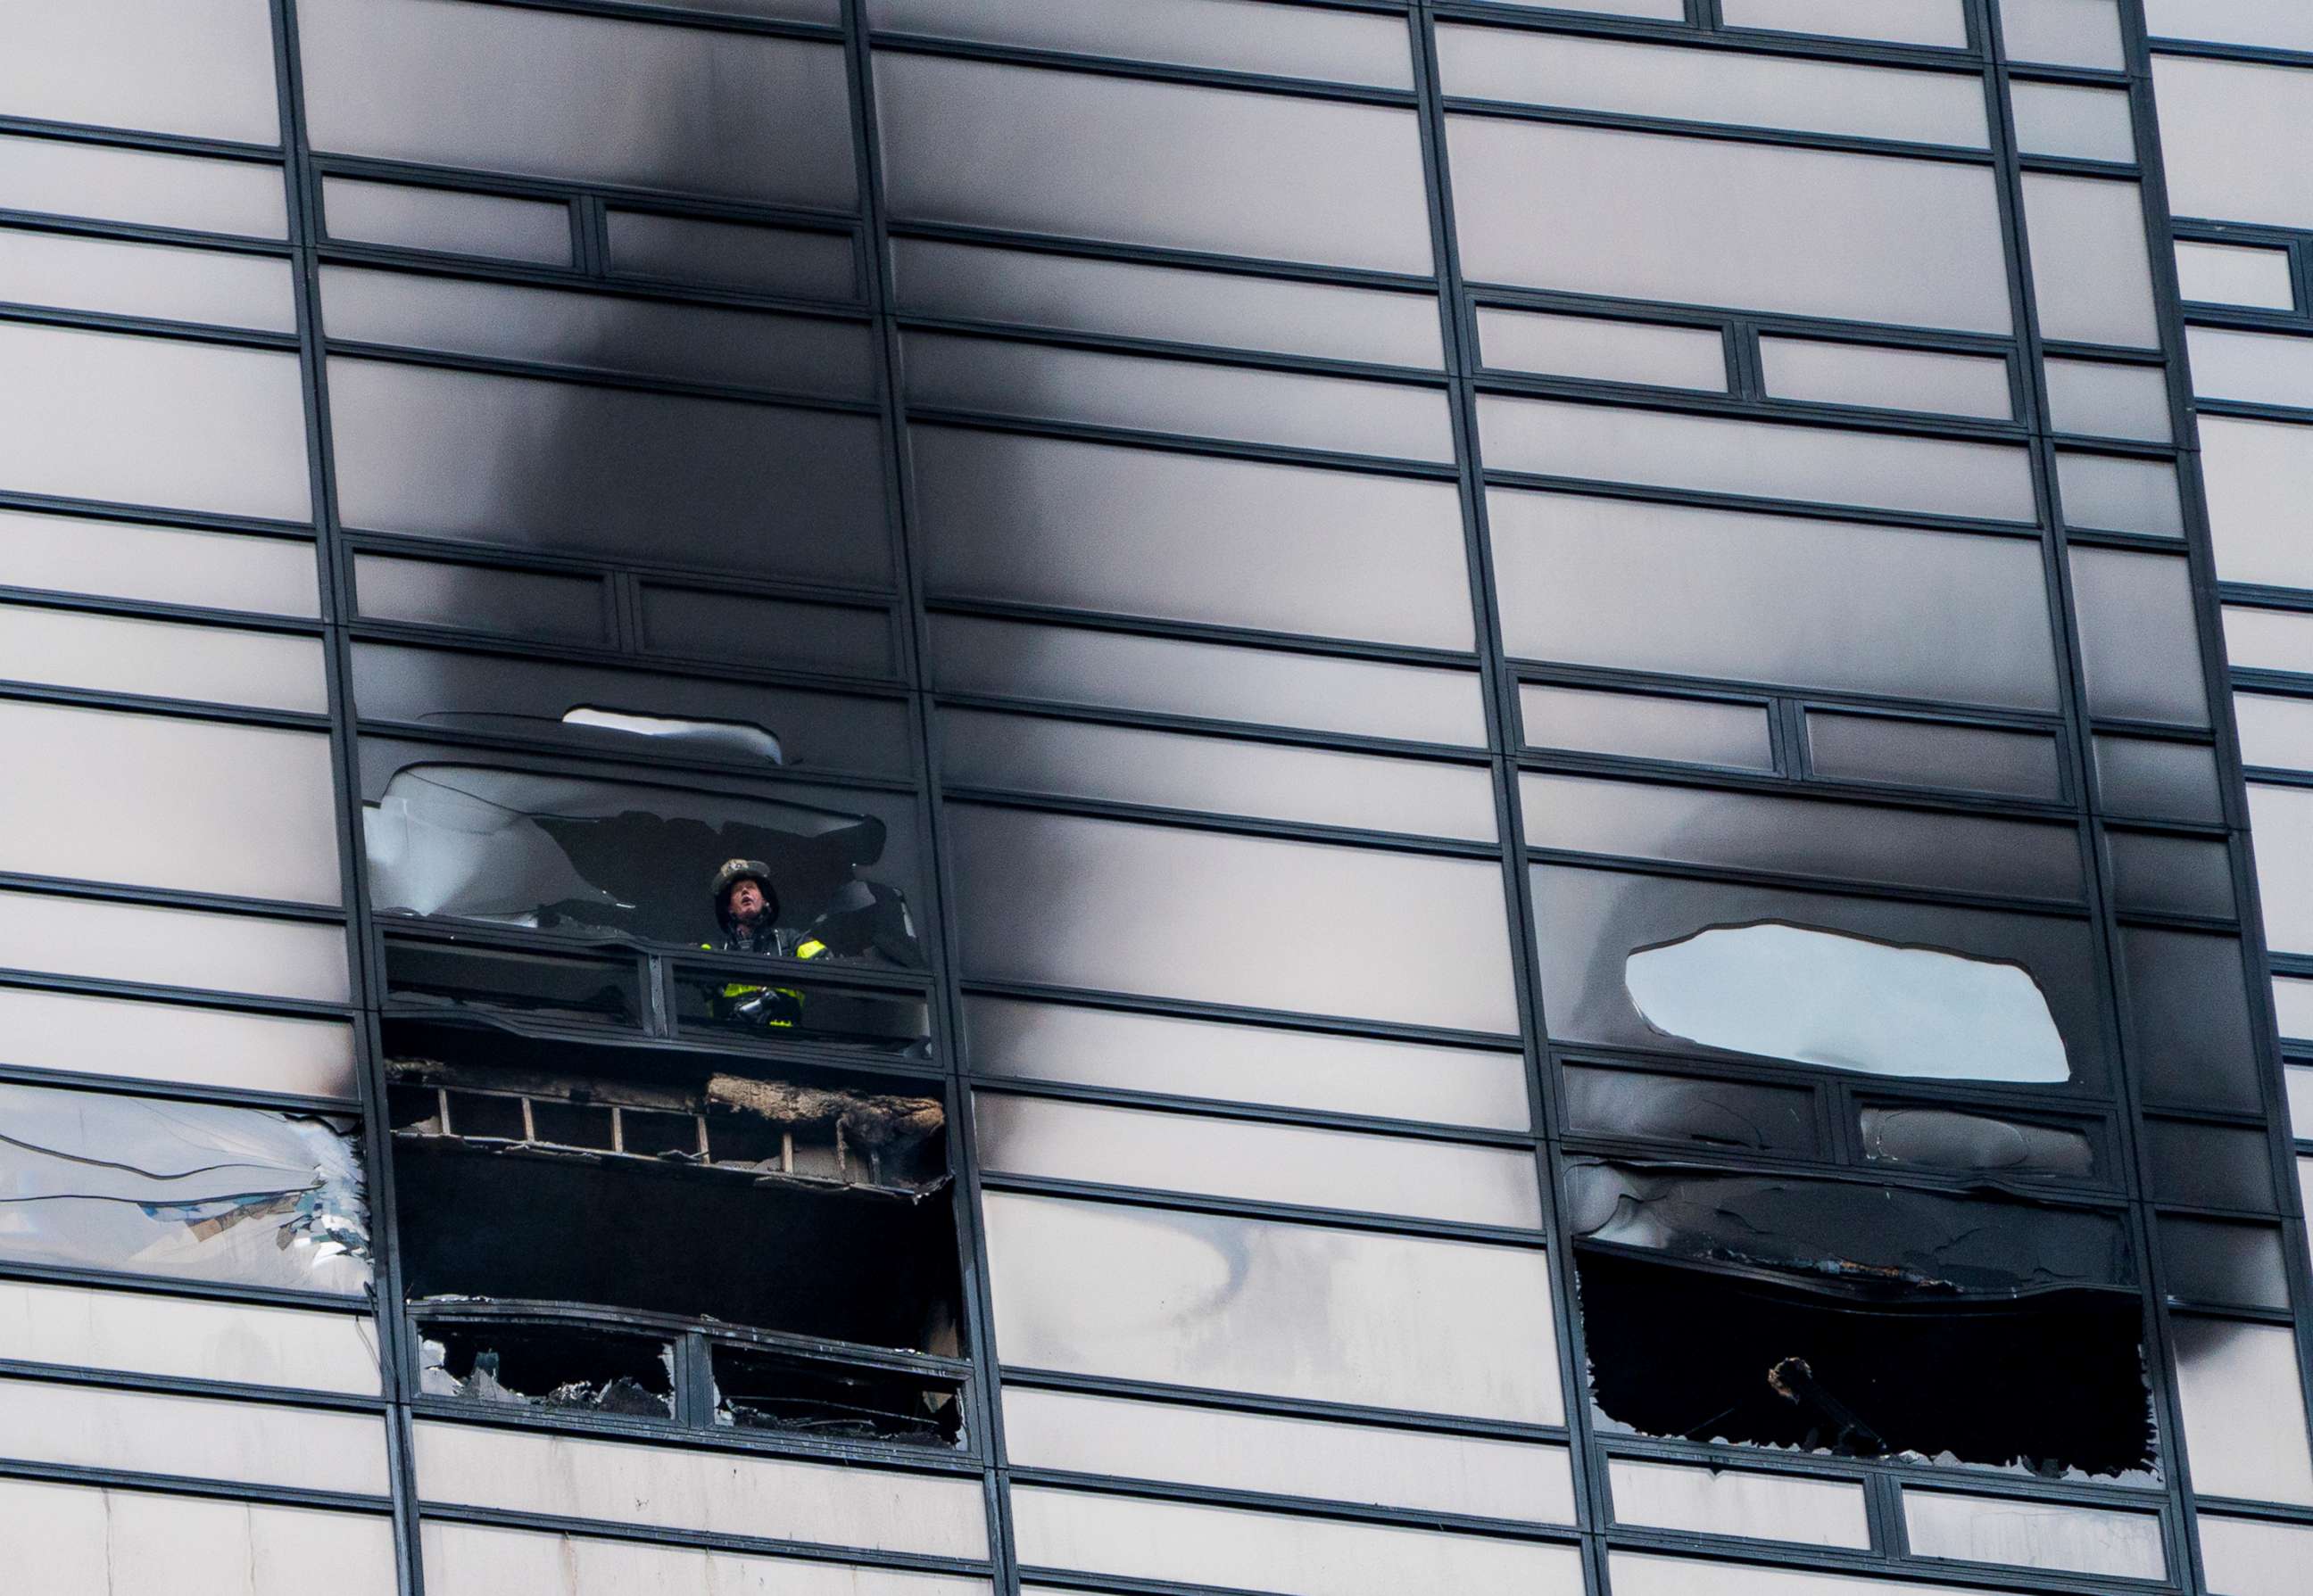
{"points": [[202, 68]]}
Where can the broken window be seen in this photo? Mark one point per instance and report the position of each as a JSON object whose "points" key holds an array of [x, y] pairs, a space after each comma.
{"points": [[1849, 1003], [617, 860], [1860, 1320], [191, 1191], [569, 1209]]}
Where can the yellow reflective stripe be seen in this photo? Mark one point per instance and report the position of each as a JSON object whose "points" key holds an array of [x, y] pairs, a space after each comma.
{"points": [[812, 948]]}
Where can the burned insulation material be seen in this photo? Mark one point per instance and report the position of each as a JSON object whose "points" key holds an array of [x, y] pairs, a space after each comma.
{"points": [[556, 1367], [194, 1191], [610, 859], [1859, 1320], [1849, 1003]]}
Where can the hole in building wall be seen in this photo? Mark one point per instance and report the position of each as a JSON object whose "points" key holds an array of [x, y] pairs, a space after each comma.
{"points": [[1859, 1320]]}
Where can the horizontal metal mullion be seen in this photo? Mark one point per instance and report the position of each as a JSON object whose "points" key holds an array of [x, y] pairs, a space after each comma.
{"points": [[561, 190], [368, 255], [123, 1281], [156, 515], [1782, 784], [1855, 418], [166, 897], [1974, 1480], [297, 1104], [2072, 1102], [597, 1316], [142, 233], [170, 143], [717, 22], [703, 1044], [1189, 725], [672, 762], [184, 997], [284, 626], [723, 1440], [2210, 50], [1751, 41], [1237, 357], [241, 715], [178, 1484], [493, 557], [1192, 631], [1993, 1580], [1788, 881]]}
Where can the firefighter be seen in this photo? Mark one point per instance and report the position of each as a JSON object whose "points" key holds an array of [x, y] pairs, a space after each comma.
{"points": [[747, 908]]}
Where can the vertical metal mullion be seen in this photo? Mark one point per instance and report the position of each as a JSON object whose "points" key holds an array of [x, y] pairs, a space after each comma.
{"points": [[1457, 324], [983, 1401], [397, 1350], [2256, 956]]}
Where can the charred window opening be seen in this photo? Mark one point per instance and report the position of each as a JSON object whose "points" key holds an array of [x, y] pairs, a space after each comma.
{"points": [[595, 1185], [1859, 1320], [622, 861], [548, 1367]]}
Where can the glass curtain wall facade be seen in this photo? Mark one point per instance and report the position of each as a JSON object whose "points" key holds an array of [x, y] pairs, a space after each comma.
{"points": [[1489, 750]]}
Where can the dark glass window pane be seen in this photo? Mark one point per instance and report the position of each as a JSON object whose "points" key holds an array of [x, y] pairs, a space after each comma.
{"points": [[790, 1396], [1644, 726], [1168, 769], [447, 220], [2228, 1265], [1212, 680], [1974, 1144], [1756, 458], [1230, 34], [1177, 304], [576, 468], [157, 65], [2177, 875], [518, 90], [2208, 1165], [598, 332], [1307, 927], [1804, 837], [732, 254], [2138, 633], [1201, 398], [552, 1368], [554, 609], [2159, 780], [2188, 1003], [1645, 216], [1773, 599], [990, 144], [1191, 538], [2105, 400], [757, 629], [1691, 1109], [2017, 764], [2119, 495]]}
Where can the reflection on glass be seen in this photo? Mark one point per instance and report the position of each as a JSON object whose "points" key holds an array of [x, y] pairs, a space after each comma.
{"points": [[1813, 996], [1948, 1139], [2139, 638], [1693, 1108], [189, 1191], [731, 254], [2159, 781], [1917, 753], [2223, 1266], [2189, 1000]]}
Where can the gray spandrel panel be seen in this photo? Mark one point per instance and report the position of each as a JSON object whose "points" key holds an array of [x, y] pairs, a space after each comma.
{"points": [[203, 69], [2188, 1003], [2142, 652], [638, 336], [540, 93], [1938, 22], [446, 221], [1233, 35], [783, 260], [2064, 32], [2220, 121], [1773, 598], [146, 280], [1184, 537], [2274, 24], [1645, 216], [145, 187], [2258, 475], [1697, 85], [990, 144], [570, 467], [2089, 263]]}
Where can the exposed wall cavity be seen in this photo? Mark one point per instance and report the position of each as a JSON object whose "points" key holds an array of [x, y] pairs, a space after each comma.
{"points": [[199, 1191], [1860, 1320]]}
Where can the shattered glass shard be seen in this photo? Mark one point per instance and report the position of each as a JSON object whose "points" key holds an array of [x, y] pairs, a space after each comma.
{"points": [[1848, 1003]]}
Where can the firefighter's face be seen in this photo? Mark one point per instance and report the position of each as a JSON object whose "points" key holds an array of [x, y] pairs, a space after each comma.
{"points": [[745, 902]]}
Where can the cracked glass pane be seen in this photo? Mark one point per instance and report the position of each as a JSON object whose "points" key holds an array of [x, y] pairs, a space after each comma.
{"points": [[193, 1191], [1846, 1003]]}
